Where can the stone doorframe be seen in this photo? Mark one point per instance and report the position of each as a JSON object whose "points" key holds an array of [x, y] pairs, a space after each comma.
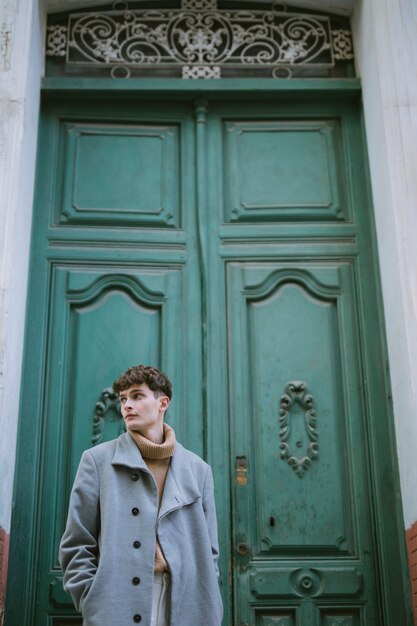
{"points": [[384, 32]]}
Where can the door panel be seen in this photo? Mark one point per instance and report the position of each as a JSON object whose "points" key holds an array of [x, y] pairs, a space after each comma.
{"points": [[299, 495], [120, 173], [101, 321], [113, 318], [283, 170]]}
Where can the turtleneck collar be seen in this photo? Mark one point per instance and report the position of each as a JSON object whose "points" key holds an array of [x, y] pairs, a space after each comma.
{"points": [[151, 450]]}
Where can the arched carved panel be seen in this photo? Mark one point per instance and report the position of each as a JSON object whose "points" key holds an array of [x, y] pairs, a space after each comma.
{"points": [[108, 321], [314, 284], [85, 289], [287, 359], [117, 322]]}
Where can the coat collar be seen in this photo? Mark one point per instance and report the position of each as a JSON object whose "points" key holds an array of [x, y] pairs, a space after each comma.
{"points": [[181, 487], [127, 453]]}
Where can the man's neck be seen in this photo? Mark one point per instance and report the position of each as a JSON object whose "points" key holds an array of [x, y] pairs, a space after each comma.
{"points": [[154, 434]]}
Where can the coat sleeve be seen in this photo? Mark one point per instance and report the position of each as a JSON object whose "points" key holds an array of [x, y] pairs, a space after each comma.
{"points": [[209, 508], [78, 552]]}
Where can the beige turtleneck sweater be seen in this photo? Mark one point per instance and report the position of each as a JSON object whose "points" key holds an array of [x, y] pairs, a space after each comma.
{"points": [[157, 458]]}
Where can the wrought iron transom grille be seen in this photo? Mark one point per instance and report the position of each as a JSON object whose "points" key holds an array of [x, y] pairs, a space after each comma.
{"points": [[199, 40]]}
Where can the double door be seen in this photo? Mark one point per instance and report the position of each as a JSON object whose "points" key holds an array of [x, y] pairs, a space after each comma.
{"points": [[230, 244]]}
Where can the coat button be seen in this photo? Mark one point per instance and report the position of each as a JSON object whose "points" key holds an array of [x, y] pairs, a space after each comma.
{"points": [[136, 544], [136, 580], [134, 476], [135, 510], [137, 618]]}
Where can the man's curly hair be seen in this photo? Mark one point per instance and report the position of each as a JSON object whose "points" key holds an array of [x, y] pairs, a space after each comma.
{"points": [[156, 380]]}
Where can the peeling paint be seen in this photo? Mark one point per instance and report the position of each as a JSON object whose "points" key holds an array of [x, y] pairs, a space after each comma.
{"points": [[5, 47], [4, 557], [9, 10], [411, 537]]}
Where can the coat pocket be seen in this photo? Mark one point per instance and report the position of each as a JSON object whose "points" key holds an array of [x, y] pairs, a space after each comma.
{"points": [[88, 596]]}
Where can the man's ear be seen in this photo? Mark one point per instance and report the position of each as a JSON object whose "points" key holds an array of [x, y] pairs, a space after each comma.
{"points": [[165, 403]]}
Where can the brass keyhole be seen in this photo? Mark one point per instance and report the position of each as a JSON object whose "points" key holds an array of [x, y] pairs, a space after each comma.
{"points": [[242, 549]]}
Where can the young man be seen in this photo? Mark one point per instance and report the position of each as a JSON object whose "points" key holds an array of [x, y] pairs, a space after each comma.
{"points": [[140, 545]]}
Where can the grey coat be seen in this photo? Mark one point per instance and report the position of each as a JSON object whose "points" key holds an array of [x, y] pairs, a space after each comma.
{"points": [[109, 541]]}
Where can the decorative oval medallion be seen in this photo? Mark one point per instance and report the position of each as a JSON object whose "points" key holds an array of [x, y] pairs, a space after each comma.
{"points": [[306, 582], [296, 395]]}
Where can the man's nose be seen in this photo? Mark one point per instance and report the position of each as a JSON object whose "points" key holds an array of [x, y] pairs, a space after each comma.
{"points": [[128, 403]]}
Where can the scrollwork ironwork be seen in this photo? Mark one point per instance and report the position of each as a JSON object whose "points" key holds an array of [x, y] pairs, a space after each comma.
{"points": [[342, 44], [200, 71], [296, 392], [56, 41], [200, 40], [199, 5]]}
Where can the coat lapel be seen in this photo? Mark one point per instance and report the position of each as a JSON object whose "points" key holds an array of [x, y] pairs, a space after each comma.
{"points": [[127, 453], [181, 487]]}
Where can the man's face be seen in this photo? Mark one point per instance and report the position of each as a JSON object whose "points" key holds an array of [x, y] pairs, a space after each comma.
{"points": [[141, 411]]}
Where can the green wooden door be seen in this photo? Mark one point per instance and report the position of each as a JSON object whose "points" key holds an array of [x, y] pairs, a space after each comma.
{"points": [[294, 242], [229, 243]]}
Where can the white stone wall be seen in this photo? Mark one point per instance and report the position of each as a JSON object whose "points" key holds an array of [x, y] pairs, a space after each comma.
{"points": [[385, 33], [20, 70]]}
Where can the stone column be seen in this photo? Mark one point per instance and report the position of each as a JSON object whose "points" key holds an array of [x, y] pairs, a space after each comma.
{"points": [[21, 60], [385, 34]]}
